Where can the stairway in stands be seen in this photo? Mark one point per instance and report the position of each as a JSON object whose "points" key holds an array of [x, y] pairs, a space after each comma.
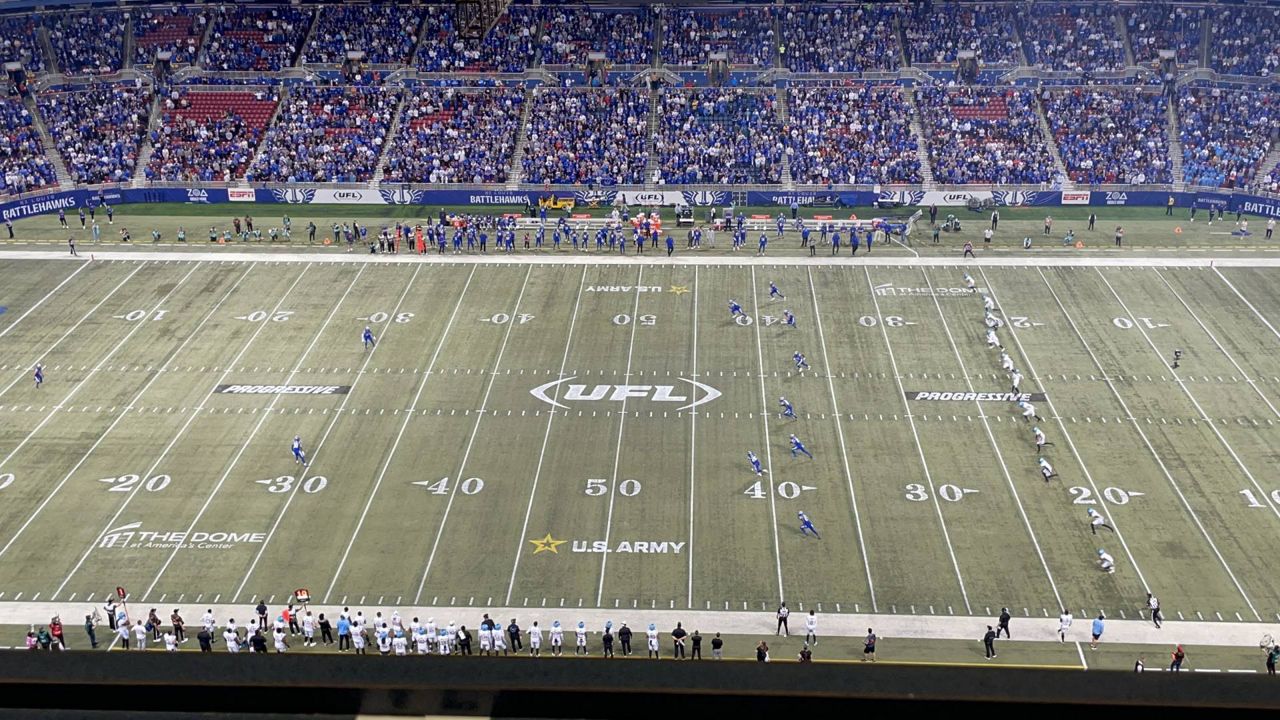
{"points": [[917, 127], [50, 149], [1049, 139], [651, 170], [516, 173], [784, 119], [1172, 130], [392, 133]]}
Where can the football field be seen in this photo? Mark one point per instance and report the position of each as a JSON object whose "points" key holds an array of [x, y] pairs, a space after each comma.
{"points": [[575, 433]]}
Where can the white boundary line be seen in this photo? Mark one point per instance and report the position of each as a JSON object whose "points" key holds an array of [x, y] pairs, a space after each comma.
{"points": [[1240, 295], [617, 452], [693, 434], [42, 300], [1203, 415], [386, 463], [1147, 441], [768, 442], [124, 413], [542, 454], [1214, 338], [181, 431], [475, 430], [253, 433], [986, 424], [844, 450], [137, 326], [333, 422], [1075, 452], [915, 433]]}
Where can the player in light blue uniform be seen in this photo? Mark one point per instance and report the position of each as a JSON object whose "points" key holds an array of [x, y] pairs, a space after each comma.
{"points": [[788, 318], [299, 457], [775, 293], [806, 525], [798, 447], [735, 309], [369, 341], [39, 376], [787, 410], [801, 364], [755, 463]]}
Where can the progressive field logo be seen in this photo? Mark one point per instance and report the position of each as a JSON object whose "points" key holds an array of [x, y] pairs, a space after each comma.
{"points": [[966, 396], [620, 393], [282, 389]]}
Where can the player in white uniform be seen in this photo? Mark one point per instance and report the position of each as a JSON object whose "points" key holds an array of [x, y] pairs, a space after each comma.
{"points": [[987, 302], [430, 630], [969, 283], [1064, 624], [1040, 439], [652, 635], [209, 623], [444, 642], [557, 637], [1015, 379], [1028, 410], [420, 641], [992, 340], [232, 640], [1046, 470], [1106, 562], [499, 639], [278, 636], [1006, 362], [990, 320], [170, 642], [581, 632], [1096, 521], [486, 639], [400, 644], [453, 636], [357, 639], [308, 630], [535, 639], [811, 628]]}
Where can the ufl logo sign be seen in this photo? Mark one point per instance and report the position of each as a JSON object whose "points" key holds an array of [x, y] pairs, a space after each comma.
{"points": [[620, 393]]}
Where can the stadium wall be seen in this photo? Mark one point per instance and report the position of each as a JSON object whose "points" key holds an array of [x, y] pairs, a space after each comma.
{"points": [[51, 202]]}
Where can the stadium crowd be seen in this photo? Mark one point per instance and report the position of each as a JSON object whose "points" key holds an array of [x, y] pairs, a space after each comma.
{"points": [[937, 33], [626, 38], [850, 134], [840, 39], [591, 136], [87, 43], [208, 136], [1246, 41], [177, 30], [98, 130], [22, 158], [1156, 26], [984, 135], [509, 47], [1078, 38], [452, 135], [746, 36], [1225, 134], [1111, 135], [386, 33], [718, 135], [327, 134], [19, 42], [248, 38]]}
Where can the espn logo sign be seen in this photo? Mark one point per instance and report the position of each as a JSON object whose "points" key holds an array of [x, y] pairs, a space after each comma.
{"points": [[241, 195], [1076, 197]]}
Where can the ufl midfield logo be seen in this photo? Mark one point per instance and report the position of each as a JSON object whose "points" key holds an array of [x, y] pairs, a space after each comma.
{"points": [[620, 393], [133, 536]]}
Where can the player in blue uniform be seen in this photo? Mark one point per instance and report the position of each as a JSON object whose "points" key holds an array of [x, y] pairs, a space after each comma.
{"points": [[801, 364], [299, 457], [735, 309], [39, 376], [835, 242], [764, 242], [798, 447], [755, 463], [775, 293], [787, 410], [369, 341], [806, 525], [782, 225], [788, 318]]}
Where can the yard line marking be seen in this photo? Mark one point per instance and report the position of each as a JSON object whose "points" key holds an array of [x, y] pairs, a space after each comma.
{"points": [[844, 451], [986, 424], [475, 430], [262, 548], [1067, 436], [1150, 448], [403, 426], [181, 431], [1214, 338], [49, 294], [551, 416], [1212, 426], [257, 426], [617, 452], [1251, 307], [768, 449], [928, 476], [137, 397], [693, 434]]}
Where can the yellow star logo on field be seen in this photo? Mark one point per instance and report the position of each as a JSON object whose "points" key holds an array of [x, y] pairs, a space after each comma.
{"points": [[547, 543], [679, 289]]}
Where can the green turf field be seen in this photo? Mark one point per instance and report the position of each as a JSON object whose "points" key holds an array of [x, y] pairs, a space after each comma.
{"points": [[440, 474]]}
